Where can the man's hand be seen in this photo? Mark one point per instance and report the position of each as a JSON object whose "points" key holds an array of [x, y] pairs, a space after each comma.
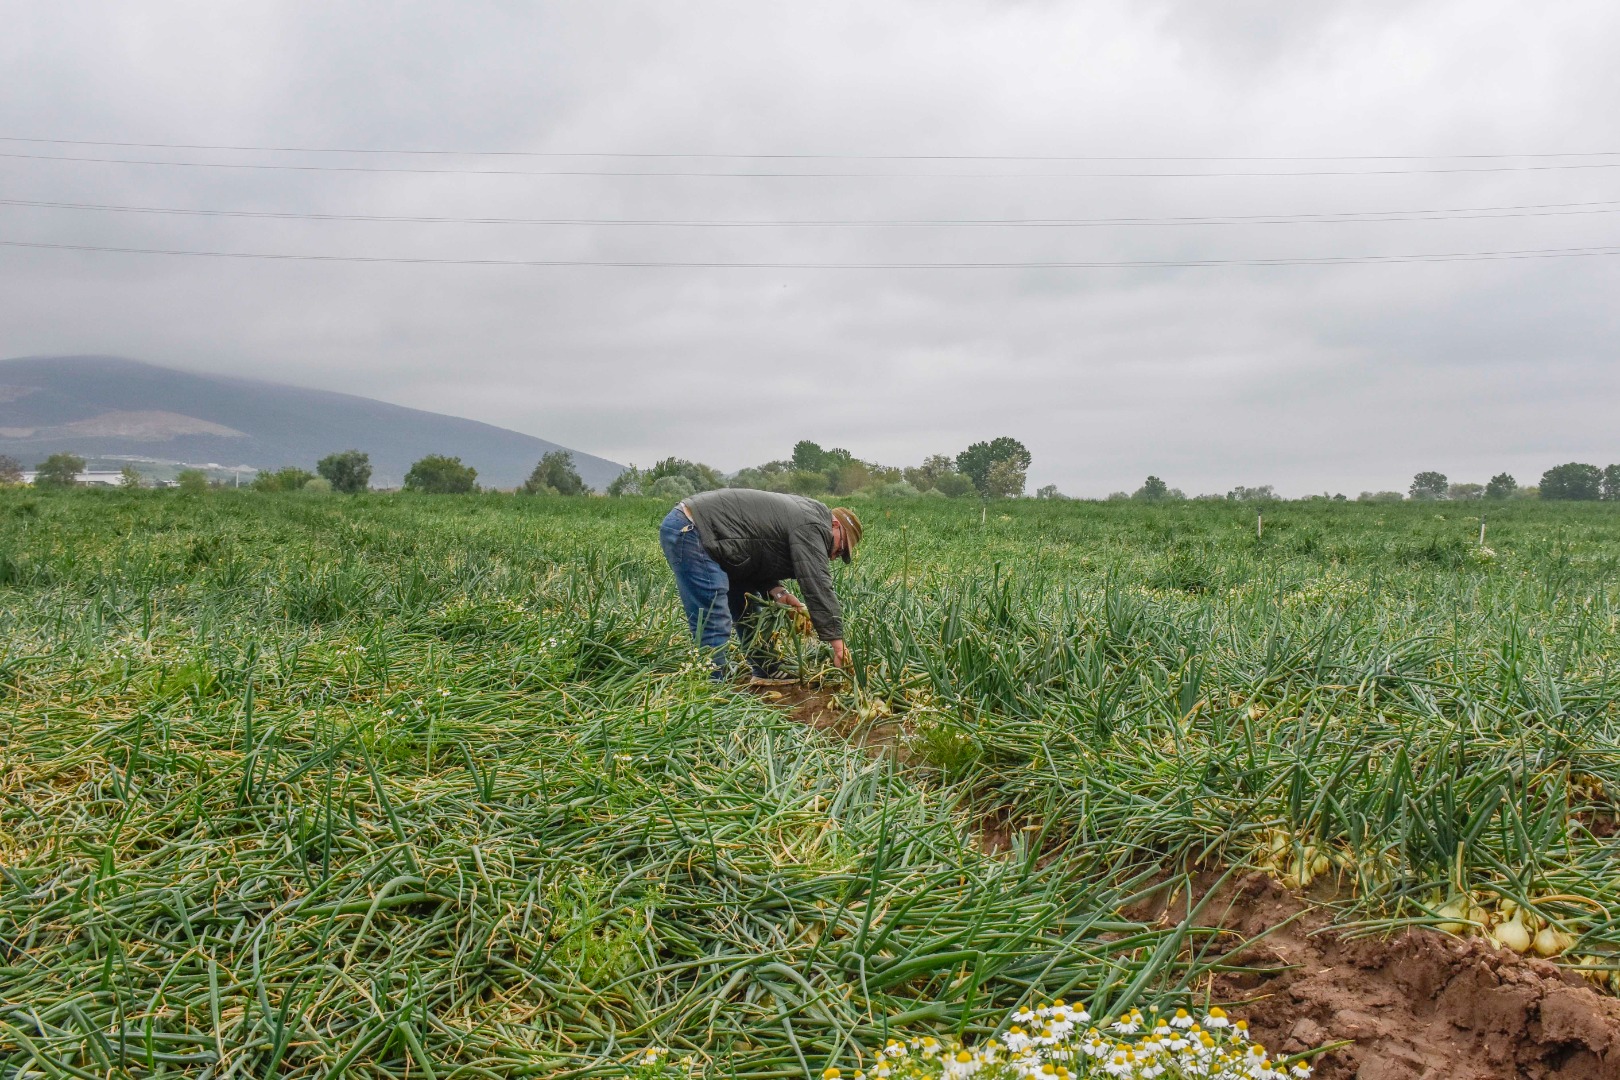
{"points": [[787, 599], [840, 653]]}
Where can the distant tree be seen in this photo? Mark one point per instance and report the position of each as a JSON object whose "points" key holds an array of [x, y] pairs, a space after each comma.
{"points": [[287, 478], [849, 477], [1263, 493], [1573, 481], [1380, 497], [975, 462], [844, 473], [317, 485], [348, 471], [58, 470], [192, 481], [1611, 484], [555, 475], [1152, 488], [955, 485], [702, 477], [926, 476], [752, 478], [1048, 491], [1501, 486], [1465, 491], [1428, 485], [626, 483], [11, 471], [129, 477], [806, 482], [1119, 496], [897, 489], [437, 474], [673, 486], [1005, 480], [808, 456]]}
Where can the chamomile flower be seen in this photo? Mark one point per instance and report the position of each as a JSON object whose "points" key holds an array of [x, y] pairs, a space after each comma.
{"points": [[1129, 1024], [1041, 1043]]}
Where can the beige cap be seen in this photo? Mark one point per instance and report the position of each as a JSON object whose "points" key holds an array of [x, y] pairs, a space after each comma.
{"points": [[852, 528]]}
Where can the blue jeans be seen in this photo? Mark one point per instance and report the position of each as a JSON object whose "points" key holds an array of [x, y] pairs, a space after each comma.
{"points": [[713, 607]]}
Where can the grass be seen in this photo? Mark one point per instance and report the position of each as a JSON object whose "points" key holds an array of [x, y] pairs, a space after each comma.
{"points": [[392, 786]]}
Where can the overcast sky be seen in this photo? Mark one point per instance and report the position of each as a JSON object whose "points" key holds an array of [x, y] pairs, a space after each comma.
{"points": [[1310, 377]]}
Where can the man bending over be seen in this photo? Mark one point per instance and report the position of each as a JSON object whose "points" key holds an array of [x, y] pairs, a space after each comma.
{"points": [[731, 549]]}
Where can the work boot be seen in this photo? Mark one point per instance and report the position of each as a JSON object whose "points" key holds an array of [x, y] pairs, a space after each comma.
{"points": [[771, 673]]}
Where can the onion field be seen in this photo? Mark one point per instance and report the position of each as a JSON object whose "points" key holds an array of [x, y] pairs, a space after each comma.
{"points": [[392, 786]]}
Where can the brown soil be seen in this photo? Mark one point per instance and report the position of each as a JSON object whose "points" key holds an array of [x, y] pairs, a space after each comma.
{"points": [[814, 707], [1601, 825], [1418, 1005]]}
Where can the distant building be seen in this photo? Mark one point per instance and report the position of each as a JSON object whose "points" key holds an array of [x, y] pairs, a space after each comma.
{"points": [[88, 478]]}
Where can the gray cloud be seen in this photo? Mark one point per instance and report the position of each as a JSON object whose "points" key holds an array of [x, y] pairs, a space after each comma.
{"points": [[1342, 377]]}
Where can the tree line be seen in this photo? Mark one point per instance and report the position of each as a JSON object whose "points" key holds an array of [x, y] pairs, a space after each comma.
{"points": [[346, 471], [349, 471], [1572, 481], [994, 469]]}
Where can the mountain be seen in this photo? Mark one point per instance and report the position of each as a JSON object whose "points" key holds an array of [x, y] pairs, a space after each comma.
{"points": [[104, 406]]}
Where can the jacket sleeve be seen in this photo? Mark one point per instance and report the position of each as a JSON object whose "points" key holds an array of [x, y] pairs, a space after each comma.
{"points": [[811, 571]]}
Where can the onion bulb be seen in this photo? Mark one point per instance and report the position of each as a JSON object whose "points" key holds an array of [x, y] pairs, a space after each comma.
{"points": [[1551, 942], [1512, 935], [1457, 915]]}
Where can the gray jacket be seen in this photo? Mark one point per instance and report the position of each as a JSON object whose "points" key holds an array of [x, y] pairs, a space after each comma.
{"points": [[761, 537]]}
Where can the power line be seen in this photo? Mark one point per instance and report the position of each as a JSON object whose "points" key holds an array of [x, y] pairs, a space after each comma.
{"points": [[800, 156], [1346, 260], [1330, 217], [820, 174]]}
